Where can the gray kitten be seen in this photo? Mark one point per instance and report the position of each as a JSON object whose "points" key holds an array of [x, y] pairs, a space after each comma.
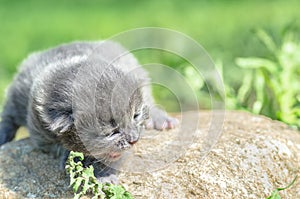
{"points": [[86, 97]]}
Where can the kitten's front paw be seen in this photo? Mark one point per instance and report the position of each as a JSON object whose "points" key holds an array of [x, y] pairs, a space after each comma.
{"points": [[159, 120], [111, 179]]}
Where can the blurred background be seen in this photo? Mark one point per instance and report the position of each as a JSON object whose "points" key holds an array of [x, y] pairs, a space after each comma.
{"points": [[255, 44]]}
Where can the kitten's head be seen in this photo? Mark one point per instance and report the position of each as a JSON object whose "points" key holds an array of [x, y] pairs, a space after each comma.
{"points": [[108, 113]]}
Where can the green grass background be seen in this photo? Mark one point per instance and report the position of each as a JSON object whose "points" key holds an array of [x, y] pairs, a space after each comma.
{"points": [[223, 27]]}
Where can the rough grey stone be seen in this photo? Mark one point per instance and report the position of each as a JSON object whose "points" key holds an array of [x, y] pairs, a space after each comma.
{"points": [[254, 156]]}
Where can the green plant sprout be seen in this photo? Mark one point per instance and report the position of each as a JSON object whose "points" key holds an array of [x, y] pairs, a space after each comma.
{"points": [[271, 86], [275, 193], [83, 181]]}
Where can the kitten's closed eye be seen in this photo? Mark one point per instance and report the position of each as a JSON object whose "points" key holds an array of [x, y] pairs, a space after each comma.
{"points": [[136, 116], [141, 114], [114, 134]]}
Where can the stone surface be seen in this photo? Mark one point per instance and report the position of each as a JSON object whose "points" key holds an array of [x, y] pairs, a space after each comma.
{"points": [[254, 156]]}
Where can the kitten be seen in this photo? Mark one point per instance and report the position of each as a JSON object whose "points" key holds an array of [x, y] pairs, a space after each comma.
{"points": [[86, 97]]}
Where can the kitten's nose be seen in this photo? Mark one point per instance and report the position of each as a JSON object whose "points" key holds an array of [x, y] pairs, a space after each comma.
{"points": [[133, 142], [133, 138]]}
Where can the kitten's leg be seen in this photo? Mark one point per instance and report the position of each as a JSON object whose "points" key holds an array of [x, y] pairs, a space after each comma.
{"points": [[63, 159], [8, 126], [160, 120], [105, 173], [41, 138], [47, 145]]}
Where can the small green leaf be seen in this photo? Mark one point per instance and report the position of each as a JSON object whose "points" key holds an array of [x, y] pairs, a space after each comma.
{"points": [[246, 87], [275, 193], [255, 63], [289, 185], [267, 40], [193, 78], [257, 106], [77, 184], [89, 171], [83, 181], [259, 85], [76, 155], [77, 195]]}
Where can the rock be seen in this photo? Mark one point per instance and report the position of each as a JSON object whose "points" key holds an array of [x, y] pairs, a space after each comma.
{"points": [[29, 173], [254, 156]]}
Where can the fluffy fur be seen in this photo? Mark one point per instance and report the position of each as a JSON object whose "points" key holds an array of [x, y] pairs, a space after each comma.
{"points": [[90, 97]]}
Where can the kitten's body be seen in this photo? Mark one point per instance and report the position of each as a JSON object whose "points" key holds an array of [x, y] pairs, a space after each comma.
{"points": [[84, 97]]}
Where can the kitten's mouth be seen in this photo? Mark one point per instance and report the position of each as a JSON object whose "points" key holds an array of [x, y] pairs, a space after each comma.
{"points": [[114, 155]]}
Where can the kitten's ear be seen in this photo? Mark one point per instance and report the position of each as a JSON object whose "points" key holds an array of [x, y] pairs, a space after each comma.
{"points": [[62, 123]]}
